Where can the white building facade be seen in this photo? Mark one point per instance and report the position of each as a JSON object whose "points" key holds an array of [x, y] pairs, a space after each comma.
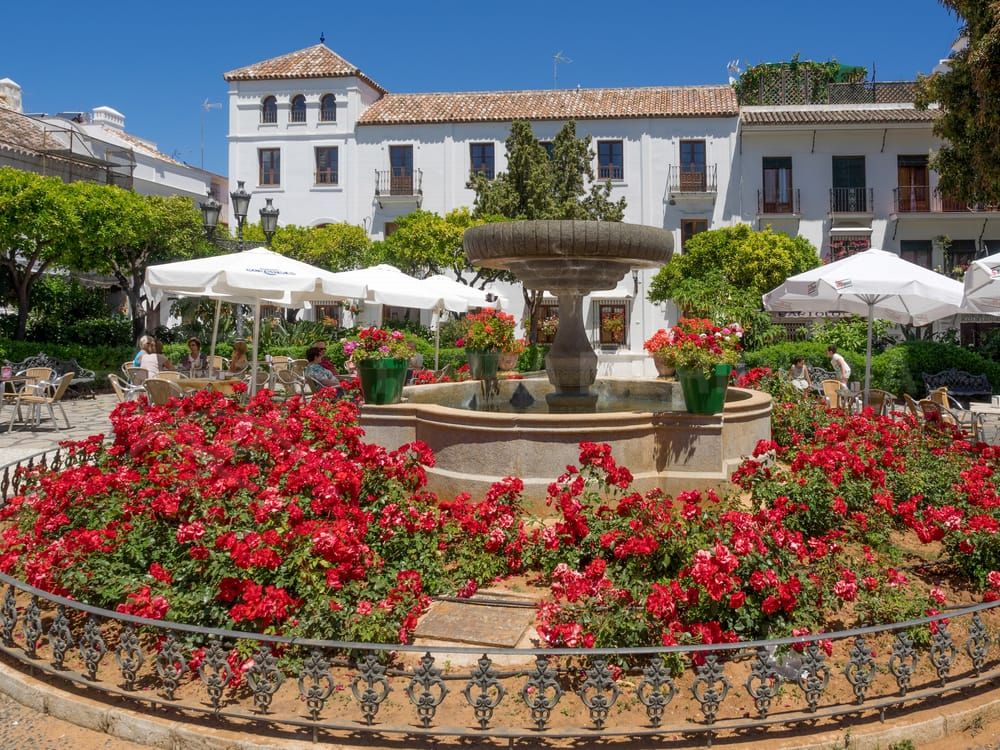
{"points": [[327, 144]]}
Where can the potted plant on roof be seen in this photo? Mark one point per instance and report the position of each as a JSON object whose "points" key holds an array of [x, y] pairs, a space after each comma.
{"points": [[704, 355], [380, 357], [487, 334]]}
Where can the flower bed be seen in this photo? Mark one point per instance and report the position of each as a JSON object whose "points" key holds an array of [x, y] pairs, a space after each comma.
{"points": [[278, 517]]}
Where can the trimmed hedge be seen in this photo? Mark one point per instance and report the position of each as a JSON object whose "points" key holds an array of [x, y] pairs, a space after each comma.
{"points": [[100, 359], [898, 370]]}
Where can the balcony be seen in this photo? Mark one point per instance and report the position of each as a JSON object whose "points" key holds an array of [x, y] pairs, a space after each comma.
{"points": [[614, 172], [398, 187], [692, 181], [857, 201], [777, 203], [921, 200]]}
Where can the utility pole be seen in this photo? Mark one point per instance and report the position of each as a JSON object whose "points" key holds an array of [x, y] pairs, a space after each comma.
{"points": [[206, 106]]}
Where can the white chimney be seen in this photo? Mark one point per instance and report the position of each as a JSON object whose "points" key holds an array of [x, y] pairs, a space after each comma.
{"points": [[10, 95], [108, 117]]}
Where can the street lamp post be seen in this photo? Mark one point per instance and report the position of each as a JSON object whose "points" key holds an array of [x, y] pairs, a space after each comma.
{"points": [[269, 220], [241, 204]]}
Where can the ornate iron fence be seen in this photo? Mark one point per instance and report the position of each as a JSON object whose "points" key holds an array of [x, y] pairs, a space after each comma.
{"points": [[326, 687]]}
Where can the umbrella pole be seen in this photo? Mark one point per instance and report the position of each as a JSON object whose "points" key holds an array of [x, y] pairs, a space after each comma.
{"points": [[215, 336], [256, 341], [437, 341], [868, 353]]}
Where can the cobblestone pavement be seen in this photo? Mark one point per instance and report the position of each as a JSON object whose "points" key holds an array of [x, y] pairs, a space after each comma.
{"points": [[24, 729], [87, 416]]}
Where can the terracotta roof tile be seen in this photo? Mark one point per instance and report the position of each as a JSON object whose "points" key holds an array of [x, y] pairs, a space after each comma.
{"points": [[19, 132], [138, 144], [580, 104], [318, 61], [835, 116]]}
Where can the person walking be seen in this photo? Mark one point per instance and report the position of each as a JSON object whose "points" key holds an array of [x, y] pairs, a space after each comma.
{"points": [[841, 369]]}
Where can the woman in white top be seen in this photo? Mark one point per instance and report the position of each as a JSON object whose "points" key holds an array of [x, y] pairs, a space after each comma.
{"points": [[148, 359]]}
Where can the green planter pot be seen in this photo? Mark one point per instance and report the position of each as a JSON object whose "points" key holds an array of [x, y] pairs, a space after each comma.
{"points": [[483, 363], [704, 394], [382, 380]]}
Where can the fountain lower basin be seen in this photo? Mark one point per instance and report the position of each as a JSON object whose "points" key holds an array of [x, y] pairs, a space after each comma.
{"points": [[666, 448]]}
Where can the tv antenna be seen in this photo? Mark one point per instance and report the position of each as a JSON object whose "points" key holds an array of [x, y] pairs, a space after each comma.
{"points": [[558, 58], [206, 107]]}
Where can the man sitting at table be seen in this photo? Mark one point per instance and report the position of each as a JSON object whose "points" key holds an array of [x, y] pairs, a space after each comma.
{"points": [[194, 359], [315, 371]]}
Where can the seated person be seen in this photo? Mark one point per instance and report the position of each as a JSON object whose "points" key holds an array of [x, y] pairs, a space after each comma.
{"points": [[239, 362], [799, 374], [194, 359], [142, 350], [315, 371], [148, 358], [324, 361], [162, 360]]}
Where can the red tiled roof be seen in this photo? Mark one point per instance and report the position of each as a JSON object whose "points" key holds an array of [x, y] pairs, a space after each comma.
{"points": [[19, 132], [835, 116], [578, 104], [318, 61]]}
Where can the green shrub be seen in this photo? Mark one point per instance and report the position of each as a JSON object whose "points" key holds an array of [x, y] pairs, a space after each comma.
{"points": [[112, 331], [100, 359], [781, 356], [850, 334], [532, 358], [900, 369]]}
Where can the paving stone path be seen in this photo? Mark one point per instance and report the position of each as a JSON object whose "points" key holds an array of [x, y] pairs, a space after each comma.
{"points": [[22, 728], [87, 416]]}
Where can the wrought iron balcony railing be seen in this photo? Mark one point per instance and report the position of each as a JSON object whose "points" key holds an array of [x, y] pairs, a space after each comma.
{"points": [[398, 182], [692, 179], [852, 200], [921, 199], [778, 202]]}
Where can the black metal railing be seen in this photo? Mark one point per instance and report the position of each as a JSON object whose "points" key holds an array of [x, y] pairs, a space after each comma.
{"points": [[692, 179], [852, 200], [778, 202], [398, 181], [911, 199], [335, 688]]}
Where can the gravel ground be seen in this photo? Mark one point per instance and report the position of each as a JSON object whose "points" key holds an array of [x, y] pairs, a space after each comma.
{"points": [[24, 729]]}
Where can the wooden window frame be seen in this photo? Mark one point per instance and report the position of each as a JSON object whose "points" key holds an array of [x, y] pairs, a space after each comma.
{"points": [[330, 174], [269, 110], [606, 167], [486, 164], [295, 113], [273, 170], [612, 338], [686, 235], [324, 110], [547, 310], [926, 249]]}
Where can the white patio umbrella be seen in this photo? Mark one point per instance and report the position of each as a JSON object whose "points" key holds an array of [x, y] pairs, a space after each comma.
{"points": [[251, 277], [982, 286], [875, 284], [457, 297]]}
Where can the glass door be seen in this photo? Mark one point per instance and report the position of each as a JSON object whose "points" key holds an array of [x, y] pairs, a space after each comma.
{"points": [[401, 170]]}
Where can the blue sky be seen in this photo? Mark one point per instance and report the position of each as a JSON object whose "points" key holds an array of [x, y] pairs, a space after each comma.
{"points": [[157, 62]]}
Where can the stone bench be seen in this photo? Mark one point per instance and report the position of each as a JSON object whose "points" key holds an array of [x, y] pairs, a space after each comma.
{"points": [[83, 378], [959, 383]]}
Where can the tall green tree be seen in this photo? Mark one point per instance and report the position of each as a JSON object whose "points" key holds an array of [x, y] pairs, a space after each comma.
{"points": [[723, 273], [968, 162], [335, 247], [536, 186], [127, 232], [39, 227], [425, 243]]}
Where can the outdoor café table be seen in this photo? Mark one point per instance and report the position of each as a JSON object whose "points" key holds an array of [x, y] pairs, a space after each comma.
{"points": [[988, 416], [222, 385]]}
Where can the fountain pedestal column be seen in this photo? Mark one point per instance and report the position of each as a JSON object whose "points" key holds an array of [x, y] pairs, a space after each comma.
{"points": [[571, 363]]}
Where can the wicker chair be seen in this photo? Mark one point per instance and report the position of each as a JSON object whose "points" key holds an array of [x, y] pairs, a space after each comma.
{"points": [[881, 402], [171, 375], [161, 391], [124, 390], [35, 398], [291, 383], [932, 412], [136, 375], [831, 390]]}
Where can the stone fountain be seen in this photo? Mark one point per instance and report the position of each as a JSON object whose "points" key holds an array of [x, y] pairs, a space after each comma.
{"points": [[643, 420], [570, 259]]}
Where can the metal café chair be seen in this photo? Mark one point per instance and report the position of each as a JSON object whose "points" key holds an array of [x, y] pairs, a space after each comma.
{"points": [[124, 390], [38, 396], [161, 391]]}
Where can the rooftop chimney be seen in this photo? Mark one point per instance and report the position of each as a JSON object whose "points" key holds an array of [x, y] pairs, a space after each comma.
{"points": [[108, 117], [10, 95]]}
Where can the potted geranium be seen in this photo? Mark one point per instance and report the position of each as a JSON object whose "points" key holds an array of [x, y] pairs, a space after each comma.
{"points": [[614, 326], [660, 348], [704, 355], [380, 356], [487, 334]]}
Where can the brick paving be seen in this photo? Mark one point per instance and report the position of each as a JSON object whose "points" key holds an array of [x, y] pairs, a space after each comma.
{"points": [[87, 416]]}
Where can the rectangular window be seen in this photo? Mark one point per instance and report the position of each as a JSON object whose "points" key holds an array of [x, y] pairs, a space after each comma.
{"points": [[481, 159], [388, 228], [401, 170], [691, 227], [327, 314], [958, 255], [610, 160], [270, 166], [845, 245], [916, 251], [327, 165], [913, 193], [548, 322], [849, 192], [694, 170], [778, 197], [612, 323], [549, 147]]}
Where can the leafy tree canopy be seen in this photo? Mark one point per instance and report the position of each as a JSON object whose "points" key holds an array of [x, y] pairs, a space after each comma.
{"points": [[335, 247], [536, 186], [723, 273], [968, 162]]}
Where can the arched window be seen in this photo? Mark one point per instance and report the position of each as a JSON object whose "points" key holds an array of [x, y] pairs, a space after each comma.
{"points": [[269, 109], [328, 108], [298, 108]]}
